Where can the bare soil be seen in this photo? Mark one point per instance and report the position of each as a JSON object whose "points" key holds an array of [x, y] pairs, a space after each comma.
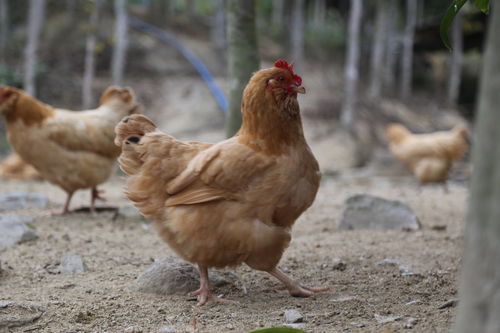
{"points": [[363, 292]]}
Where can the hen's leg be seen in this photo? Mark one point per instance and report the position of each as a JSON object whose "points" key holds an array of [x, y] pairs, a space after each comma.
{"points": [[294, 288], [95, 195], [66, 204], [203, 293]]}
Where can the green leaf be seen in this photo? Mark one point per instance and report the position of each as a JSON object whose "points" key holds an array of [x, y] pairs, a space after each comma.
{"points": [[482, 5], [450, 14], [278, 330]]}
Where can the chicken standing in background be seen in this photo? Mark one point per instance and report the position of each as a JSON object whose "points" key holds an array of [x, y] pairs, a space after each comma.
{"points": [[428, 156], [73, 150], [13, 167], [235, 201]]}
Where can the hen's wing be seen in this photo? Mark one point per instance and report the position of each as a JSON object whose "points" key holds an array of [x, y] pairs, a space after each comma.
{"points": [[219, 172], [82, 131]]}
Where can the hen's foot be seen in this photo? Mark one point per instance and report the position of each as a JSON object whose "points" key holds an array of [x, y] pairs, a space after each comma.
{"points": [[95, 195], [204, 295], [294, 288]]}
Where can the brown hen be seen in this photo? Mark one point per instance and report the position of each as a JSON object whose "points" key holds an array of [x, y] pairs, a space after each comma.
{"points": [[235, 201], [73, 150]]}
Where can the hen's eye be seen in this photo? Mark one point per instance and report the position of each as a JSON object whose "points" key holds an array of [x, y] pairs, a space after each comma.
{"points": [[281, 79]]}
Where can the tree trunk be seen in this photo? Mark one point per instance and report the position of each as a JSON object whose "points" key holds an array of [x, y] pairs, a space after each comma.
{"points": [[158, 12], [35, 23], [297, 35], [278, 14], [455, 69], [120, 47], [71, 9], [392, 45], [190, 7], [4, 29], [407, 55], [479, 306], [219, 32], [319, 13], [243, 56], [88, 75], [378, 48], [351, 67]]}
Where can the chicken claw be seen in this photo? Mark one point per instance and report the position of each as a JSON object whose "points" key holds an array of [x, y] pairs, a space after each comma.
{"points": [[203, 293], [294, 288], [95, 195]]}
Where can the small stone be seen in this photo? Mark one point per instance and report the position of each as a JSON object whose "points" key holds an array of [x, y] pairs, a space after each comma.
{"points": [[297, 326], [363, 211], [72, 264], [293, 316], [449, 304], [389, 262], [410, 322], [339, 264], [16, 229], [230, 326], [386, 319], [344, 298], [407, 271], [168, 329], [133, 329], [22, 200]]}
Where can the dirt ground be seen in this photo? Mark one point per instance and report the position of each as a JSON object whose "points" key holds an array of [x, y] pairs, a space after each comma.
{"points": [[364, 293]]}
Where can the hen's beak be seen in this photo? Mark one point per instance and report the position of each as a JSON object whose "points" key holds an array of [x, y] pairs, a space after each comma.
{"points": [[299, 89]]}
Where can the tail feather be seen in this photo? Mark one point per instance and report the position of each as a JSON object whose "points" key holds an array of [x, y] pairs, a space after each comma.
{"points": [[129, 133]]}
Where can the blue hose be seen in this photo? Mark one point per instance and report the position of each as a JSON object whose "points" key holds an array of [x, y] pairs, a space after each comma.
{"points": [[162, 35]]}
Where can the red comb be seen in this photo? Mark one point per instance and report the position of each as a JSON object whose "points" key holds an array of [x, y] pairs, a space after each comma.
{"points": [[283, 64]]}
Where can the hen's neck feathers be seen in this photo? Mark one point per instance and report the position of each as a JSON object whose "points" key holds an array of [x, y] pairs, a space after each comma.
{"points": [[30, 110], [270, 123]]}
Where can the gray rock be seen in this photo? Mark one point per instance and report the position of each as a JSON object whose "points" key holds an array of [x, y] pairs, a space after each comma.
{"points": [[293, 316], [173, 276], [72, 264], [363, 211], [17, 314], [16, 229], [22, 200]]}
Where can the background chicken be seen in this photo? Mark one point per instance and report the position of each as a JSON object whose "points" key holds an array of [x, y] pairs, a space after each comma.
{"points": [[73, 150], [235, 201], [428, 156], [13, 167]]}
